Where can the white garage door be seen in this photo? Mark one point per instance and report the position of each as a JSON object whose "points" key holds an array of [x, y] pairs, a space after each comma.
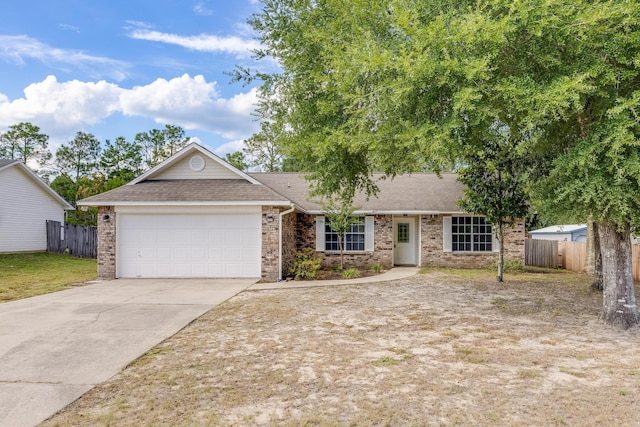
{"points": [[188, 245]]}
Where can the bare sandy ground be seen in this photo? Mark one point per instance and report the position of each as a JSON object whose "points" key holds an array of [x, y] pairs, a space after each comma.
{"points": [[440, 349]]}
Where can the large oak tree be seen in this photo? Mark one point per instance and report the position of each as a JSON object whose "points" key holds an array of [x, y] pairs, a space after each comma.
{"points": [[398, 85]]}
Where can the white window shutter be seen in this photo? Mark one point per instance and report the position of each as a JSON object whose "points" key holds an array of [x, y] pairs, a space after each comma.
{"points": [[319, 234], [495, 246], [369, 233], [446, 234]]}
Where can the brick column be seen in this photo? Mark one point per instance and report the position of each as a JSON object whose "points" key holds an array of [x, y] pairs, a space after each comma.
{"points": [[270, 236], [106, 243]]}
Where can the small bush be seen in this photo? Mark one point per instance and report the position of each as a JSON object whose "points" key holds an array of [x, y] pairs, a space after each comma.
{"points": [[510, 266], [376, 267], [306, 265], [350, 273]]}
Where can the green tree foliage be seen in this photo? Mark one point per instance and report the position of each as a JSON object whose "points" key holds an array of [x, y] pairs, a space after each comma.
{"points": [[175, 139], [402, 85], [121, 162], [264, 154], [78, 157], [339, 212], [238, 160], [160, 144], [24, 141], [495, 185], [77, 163]]}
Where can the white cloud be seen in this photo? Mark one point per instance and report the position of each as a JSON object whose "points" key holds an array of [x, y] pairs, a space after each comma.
{"points": [[200, 8], [18, 49], [69, 27], [229, 147], [67, 105], [193, 103], [203, 43], [190, 102]]}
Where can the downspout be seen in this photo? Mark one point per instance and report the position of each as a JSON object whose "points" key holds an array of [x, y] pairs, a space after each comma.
{"points": [[280, 215]]}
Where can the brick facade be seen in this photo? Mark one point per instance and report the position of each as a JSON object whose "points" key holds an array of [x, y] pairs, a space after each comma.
{"points": [[433, 254], [383, 243], [289, 241], [270, 243], [299, 232], [106, 243]]}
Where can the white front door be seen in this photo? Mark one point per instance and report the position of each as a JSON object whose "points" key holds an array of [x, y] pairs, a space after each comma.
{"points": [[404, 241]]}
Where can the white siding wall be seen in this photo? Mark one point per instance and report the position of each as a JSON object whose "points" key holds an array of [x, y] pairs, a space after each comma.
{"points": [[24, 209], [182, 170]]}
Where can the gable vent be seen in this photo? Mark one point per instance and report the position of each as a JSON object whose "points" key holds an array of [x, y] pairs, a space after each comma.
{"points": [[197, 163]]}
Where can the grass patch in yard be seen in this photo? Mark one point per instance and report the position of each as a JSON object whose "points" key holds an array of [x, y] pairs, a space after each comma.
{"points": [[385, 361], [574, 373], [30, 274]]}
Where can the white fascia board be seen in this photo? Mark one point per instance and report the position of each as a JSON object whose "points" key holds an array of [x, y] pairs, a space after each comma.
{"points": [[226, 203], [183, 153], [385, 212]]}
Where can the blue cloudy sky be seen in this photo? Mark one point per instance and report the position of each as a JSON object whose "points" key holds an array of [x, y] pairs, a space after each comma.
{"points": [[116, 68]]}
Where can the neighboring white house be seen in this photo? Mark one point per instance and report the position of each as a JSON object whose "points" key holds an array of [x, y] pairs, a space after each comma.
{"points": [[26, 203], [566, 233]]}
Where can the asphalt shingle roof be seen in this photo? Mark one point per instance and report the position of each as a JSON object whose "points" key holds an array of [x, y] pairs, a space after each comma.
{"points": [[187, 190], [6, 162], [421, 192], [405, 193]]}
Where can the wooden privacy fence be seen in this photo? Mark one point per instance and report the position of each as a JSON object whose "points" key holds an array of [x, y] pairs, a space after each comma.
{"points": [[76, 240], [541, 253], [572, 255], [568, 255]]}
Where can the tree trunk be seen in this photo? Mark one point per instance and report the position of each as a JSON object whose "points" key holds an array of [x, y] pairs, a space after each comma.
{"points": [[589, 263], [597, 283], [619, 301], [500, 238], [341, 252]]}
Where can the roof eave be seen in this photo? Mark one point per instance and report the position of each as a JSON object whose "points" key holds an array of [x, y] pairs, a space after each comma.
{"points": [[391, 212], [186, 203]]}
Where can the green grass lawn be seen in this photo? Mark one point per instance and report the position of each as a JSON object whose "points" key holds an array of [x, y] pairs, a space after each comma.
{"points": [[27, 275]]}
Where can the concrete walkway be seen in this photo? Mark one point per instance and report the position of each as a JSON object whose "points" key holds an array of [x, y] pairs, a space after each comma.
{"points": [[55, 347], [393, 274]]}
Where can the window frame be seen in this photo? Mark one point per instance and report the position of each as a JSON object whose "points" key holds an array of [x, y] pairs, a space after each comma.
{"points": [[472, 234], [349, 239]]}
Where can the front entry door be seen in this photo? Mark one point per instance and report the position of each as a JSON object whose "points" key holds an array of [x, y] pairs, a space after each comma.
{"points": [[404, 241]]}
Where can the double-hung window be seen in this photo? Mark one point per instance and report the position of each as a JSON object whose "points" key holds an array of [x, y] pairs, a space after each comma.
{"points": [[471, 234], [359, 237], [353, 239]]}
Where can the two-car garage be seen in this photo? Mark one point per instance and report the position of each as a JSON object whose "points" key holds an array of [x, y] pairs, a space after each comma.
{"points": [[185, 242]]}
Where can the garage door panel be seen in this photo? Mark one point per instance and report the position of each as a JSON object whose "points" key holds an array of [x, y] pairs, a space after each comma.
{"points": [[145, 269], [184, 245], [234, 254], [164, 253], [198, 254], [149, 236], [181, 254]]}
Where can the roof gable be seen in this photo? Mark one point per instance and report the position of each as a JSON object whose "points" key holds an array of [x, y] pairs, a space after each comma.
{"points": [[35, 180], [193, 162]]}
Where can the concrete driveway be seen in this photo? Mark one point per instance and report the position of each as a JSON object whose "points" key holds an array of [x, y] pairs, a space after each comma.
{"points": [[55, 347]]}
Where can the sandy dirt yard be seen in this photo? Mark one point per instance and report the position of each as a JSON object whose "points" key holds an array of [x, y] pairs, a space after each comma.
{"points": [[443, 348]]}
